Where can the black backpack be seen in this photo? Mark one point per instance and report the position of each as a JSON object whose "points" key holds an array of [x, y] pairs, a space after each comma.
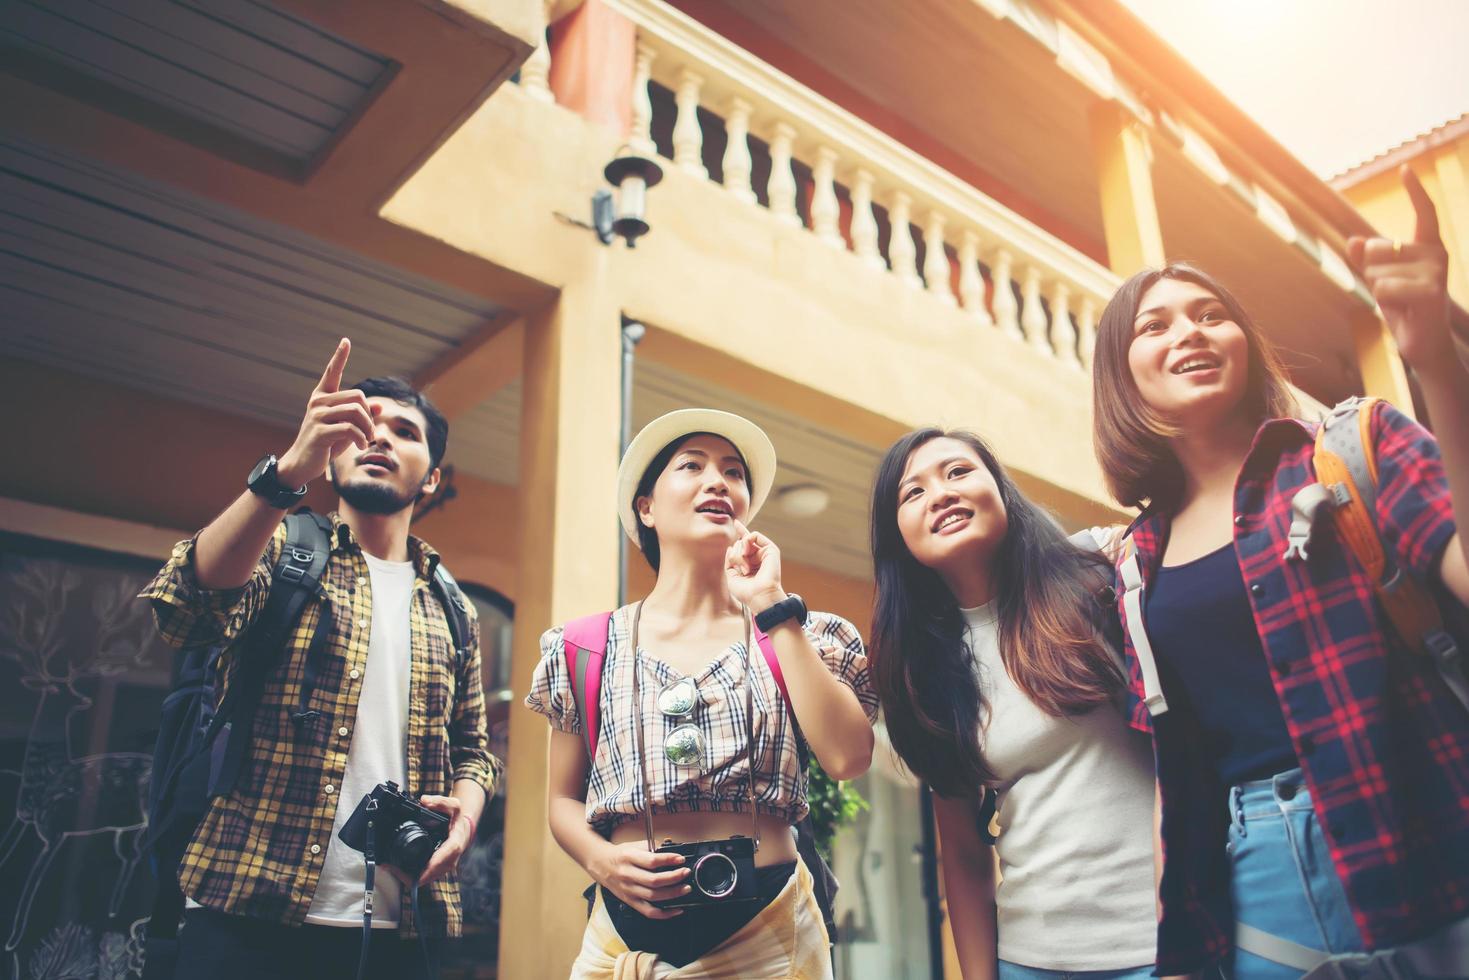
{"points": [[202, 749]]}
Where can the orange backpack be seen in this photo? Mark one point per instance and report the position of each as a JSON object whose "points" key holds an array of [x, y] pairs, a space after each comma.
{"points": [[1346, 474]]}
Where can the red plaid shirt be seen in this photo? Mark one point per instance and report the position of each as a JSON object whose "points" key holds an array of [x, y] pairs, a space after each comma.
{"points": [[1383, 742]]}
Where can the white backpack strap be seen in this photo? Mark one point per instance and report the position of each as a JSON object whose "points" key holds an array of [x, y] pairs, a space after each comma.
{"points": [[1132, 605], [1277, 950], [1306, 508]]}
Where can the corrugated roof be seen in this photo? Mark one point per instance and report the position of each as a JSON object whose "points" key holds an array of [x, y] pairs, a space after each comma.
{"points": [[1407, 150]]}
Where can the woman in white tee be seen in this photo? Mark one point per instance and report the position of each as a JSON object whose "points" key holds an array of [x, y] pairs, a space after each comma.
{"points": [[989, 654]]}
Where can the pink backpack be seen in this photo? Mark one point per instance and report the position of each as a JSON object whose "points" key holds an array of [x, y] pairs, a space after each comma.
{"points": [[585, 644]]}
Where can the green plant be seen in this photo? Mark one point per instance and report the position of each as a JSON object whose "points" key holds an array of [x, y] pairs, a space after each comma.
{"points": [[834, 804]]}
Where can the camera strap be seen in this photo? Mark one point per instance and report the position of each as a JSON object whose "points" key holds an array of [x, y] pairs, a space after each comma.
{"points": [[637, 700], [369, 854]]}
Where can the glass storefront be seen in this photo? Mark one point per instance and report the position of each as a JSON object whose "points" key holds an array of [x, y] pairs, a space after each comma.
{"points": [[83, 675], [888, 893]]}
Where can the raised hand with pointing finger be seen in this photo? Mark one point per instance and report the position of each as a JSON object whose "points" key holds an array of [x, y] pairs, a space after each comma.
{"points": [[334, 418], [1409, 281]]}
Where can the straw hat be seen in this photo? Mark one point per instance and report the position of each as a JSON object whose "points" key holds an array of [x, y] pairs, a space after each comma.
{"points": [[744, 435]]}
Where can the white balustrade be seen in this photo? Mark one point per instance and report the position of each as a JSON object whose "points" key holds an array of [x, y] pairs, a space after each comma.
{"points": [[936, 258], [971, 282], [737, 164], [761, 103], [1086, 325], [902, 250], [640, 135], [864, 222], [825, 211], [1006, 308], [688, 137], [782, 185], [1063, 334], [1032, 314]]}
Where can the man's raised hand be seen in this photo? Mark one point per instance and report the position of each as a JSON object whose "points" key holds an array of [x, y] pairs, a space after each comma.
{"points": [[333, 419]]}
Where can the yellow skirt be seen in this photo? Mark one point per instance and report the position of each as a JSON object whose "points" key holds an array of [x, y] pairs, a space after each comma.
{"points": [[785, 941]]}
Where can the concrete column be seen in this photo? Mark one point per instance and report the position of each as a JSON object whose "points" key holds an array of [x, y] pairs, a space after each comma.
{"points": [[593, 55], [1124, 175], [1383, 373], [568, 568]]}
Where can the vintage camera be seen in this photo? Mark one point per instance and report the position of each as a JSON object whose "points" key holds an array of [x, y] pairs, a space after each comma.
{"points": [[723, 871], [405, 834]]}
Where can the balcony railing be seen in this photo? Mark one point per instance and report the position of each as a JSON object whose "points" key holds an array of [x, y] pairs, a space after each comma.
{"points": [[720, 113]]}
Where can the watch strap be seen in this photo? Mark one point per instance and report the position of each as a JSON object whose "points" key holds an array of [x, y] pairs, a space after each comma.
{"points": [[791, 607], [267, 486]]}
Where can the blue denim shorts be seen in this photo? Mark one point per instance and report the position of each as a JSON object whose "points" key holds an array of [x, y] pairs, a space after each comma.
{"points": [[1282, 880]]}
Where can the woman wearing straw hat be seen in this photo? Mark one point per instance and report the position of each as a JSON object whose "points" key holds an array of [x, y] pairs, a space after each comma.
{"points": [[697, 700]]}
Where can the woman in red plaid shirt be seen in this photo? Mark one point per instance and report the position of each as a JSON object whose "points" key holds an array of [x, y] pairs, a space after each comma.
{"points": [[1313, 770]]}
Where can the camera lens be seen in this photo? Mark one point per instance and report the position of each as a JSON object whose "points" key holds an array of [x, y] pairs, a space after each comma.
{"points": [[715, 875], [412, 847]]}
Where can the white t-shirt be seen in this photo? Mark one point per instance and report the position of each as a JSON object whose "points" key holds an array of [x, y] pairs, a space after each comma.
{"points": [[378, 753], [1076, 812]]}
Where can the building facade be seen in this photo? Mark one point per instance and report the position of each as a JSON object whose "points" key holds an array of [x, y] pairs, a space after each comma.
{"points": [[873, 216]]}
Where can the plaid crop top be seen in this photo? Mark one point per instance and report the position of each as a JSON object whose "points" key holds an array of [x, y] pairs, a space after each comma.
{"points": [[614, 787]]}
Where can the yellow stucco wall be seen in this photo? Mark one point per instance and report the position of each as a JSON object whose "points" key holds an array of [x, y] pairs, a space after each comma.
{"points": [[512, 183]]}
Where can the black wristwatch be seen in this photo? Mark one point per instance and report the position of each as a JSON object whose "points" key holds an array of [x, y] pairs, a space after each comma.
{"points": [[791, 607], [265, 484]]}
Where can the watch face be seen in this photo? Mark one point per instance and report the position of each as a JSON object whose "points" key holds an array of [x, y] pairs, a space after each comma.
{"points": [[266, 463]]}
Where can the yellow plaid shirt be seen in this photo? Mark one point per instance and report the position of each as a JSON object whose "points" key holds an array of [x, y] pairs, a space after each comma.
{"points": [[259, 850]]}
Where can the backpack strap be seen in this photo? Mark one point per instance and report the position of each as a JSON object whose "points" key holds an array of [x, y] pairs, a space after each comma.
{"points": [[1104, 592], [456, 610], [584, 643], [294, 582], [1132, 604], [1277, 949], [309, 531], [1346, 465], [767, 649]]}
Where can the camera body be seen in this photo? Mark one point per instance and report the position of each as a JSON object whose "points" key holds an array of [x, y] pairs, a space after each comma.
{"points": [[405, 833], [723, 871]]}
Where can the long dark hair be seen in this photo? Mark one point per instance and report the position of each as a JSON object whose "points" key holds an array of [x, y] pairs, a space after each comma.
{"points": [[1131, 439], [1051, 639]]}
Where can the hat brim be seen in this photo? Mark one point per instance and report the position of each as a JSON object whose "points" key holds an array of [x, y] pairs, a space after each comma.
{"points": [[744, 435]]}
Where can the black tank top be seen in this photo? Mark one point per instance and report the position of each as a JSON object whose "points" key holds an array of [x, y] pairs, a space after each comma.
{"points": [[1201, 627]]}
